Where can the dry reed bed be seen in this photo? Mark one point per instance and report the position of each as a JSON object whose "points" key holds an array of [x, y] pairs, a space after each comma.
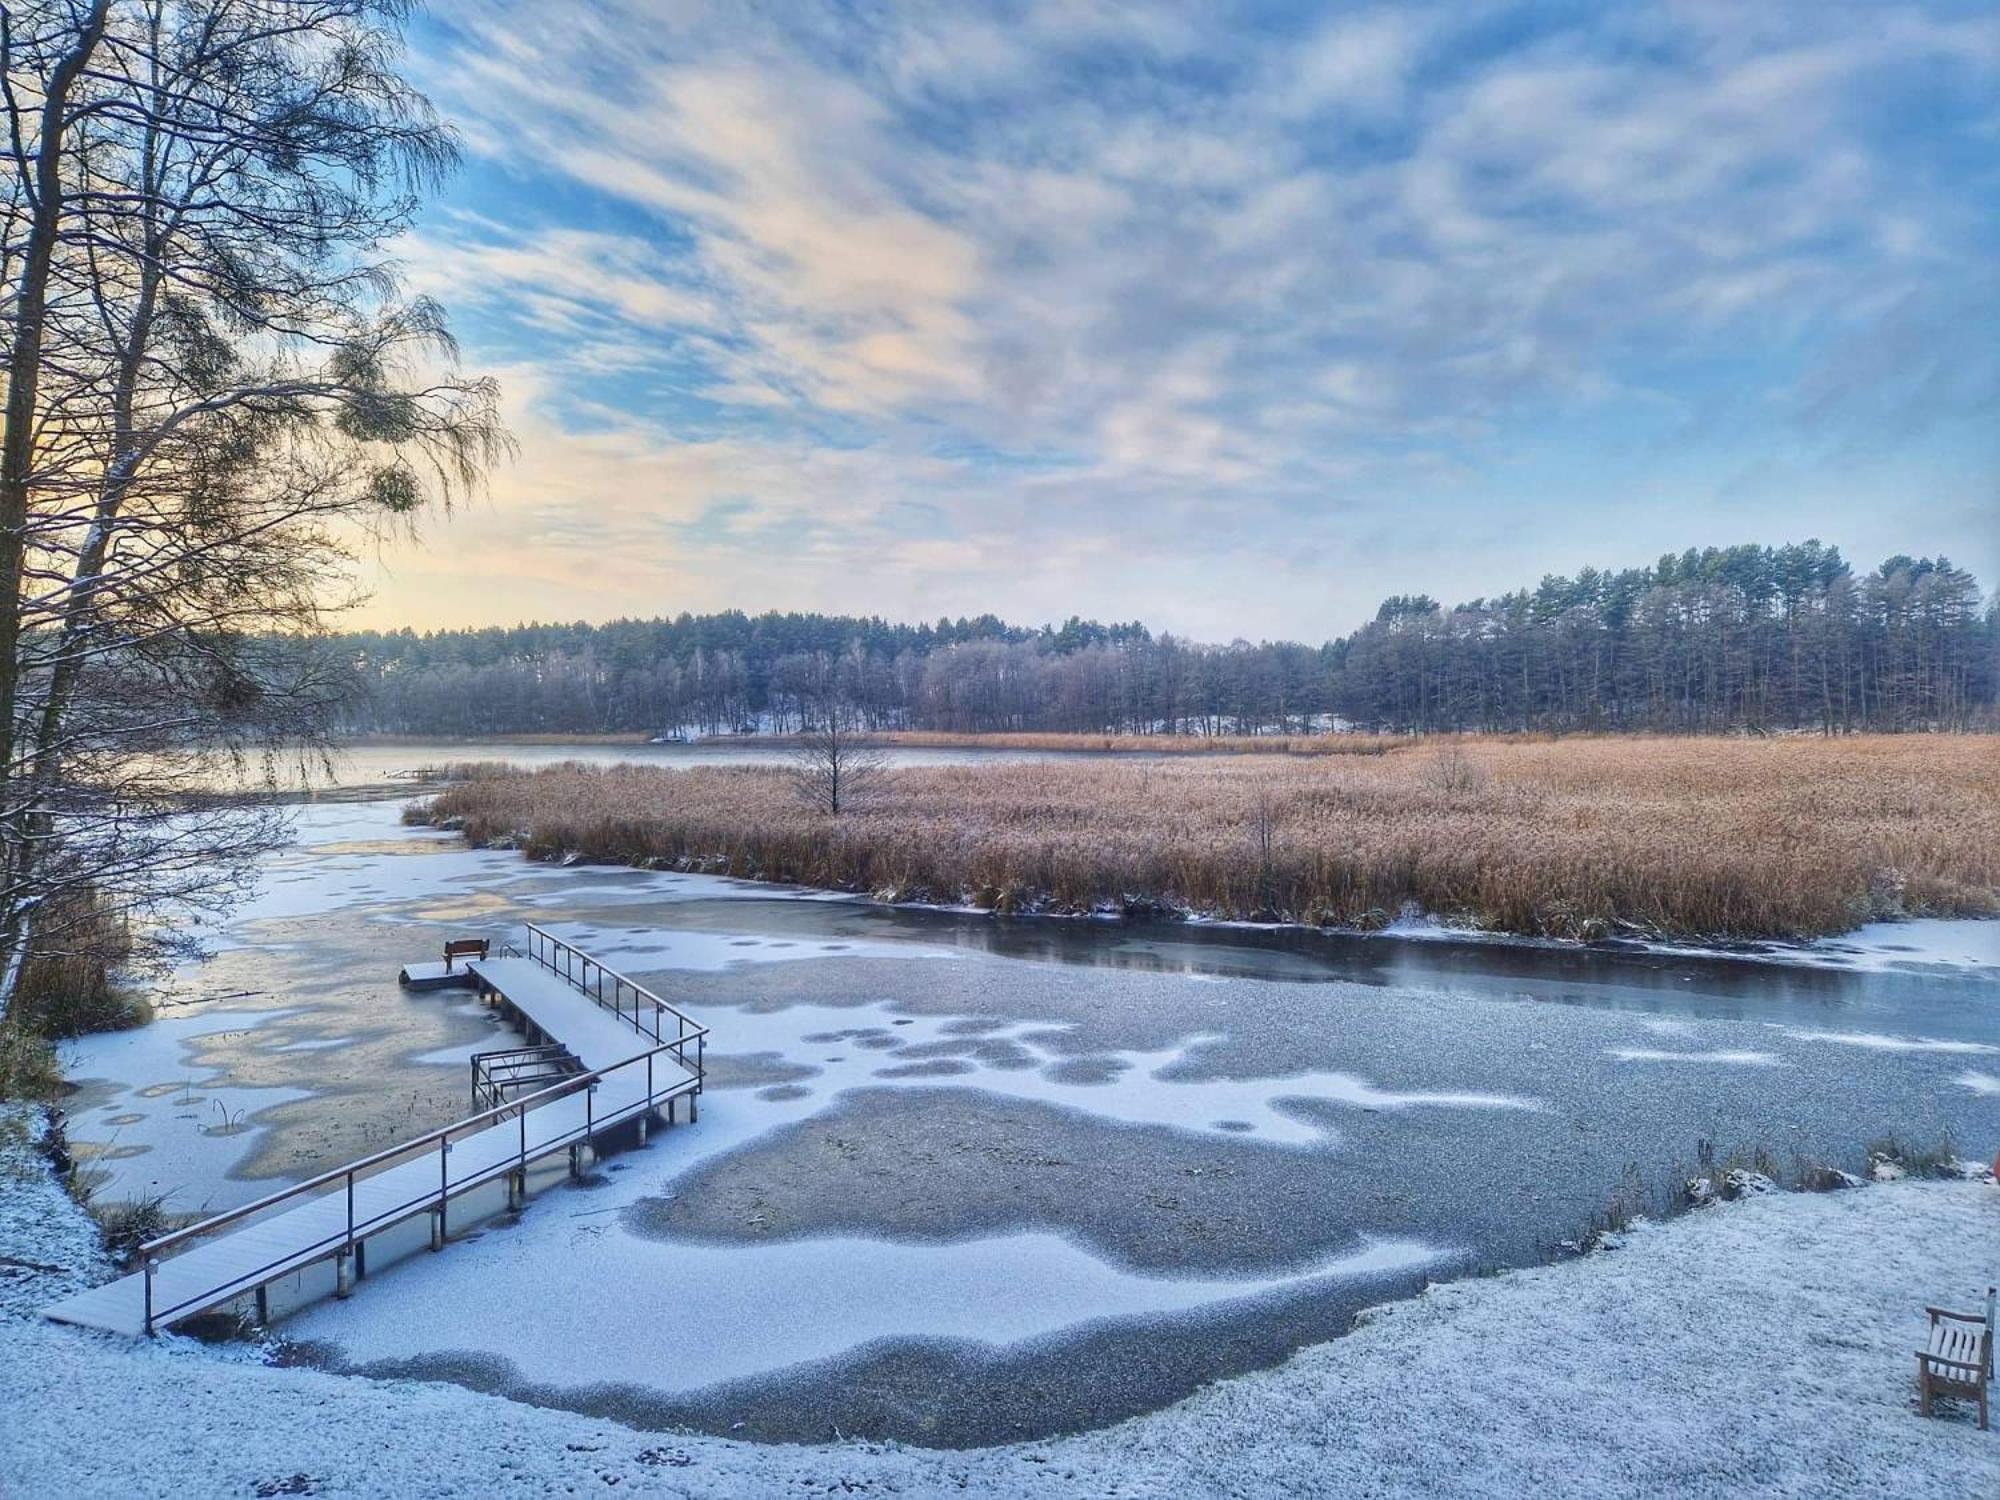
{"points": [[1148, 744], [1574, 838]]}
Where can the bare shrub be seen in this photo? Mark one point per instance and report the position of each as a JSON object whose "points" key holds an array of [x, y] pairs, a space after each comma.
{"points": [[129, 1225], [69, 987], [1675, 837], [28, 1065], [1628, 1204], [1451, 771], [1892, 1157], [1741, 1174], [1812, 1176]]}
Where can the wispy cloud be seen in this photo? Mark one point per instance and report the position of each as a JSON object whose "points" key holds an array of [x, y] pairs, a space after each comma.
{"points": [[1098, 287]]}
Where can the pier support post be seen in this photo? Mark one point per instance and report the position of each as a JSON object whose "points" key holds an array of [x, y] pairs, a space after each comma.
{"points": [[672, 1105], [644, 1120], [694, 1108], [264, 1305], [576, 1162], [343, 1274], [517, 1191], [437, 1229]]}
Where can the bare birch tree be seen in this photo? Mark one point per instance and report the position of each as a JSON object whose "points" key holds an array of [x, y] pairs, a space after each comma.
{"points": [[215, 391], [836, 766]]}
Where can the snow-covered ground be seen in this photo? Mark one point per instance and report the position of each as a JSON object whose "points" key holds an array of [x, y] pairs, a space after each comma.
{"points": [[1754, 1349]]}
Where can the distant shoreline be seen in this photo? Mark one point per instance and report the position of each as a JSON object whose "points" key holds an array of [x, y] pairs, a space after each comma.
{"points": [[1322, 742]]}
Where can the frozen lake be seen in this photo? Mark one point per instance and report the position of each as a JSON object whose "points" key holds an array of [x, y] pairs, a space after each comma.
{"points": [[960, 1178], [375, 763]]}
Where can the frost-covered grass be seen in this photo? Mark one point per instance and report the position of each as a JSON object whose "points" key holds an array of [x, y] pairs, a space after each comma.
{"points": [[1575, 838], [1152, 744], [1760, 1348]]}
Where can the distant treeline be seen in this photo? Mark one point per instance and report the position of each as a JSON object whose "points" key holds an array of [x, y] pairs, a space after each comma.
{"points": [[1703, 641]]}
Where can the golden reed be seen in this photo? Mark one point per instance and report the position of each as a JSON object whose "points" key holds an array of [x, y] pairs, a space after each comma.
{"points": [[1575, 838]]}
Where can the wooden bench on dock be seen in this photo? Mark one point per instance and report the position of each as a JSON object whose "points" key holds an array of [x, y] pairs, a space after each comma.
{"points": [[1958, 1360], [457, 948]]}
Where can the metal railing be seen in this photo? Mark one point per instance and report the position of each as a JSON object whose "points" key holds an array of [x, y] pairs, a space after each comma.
{"points": [[646, 1012], [496, 1075], [355, 1225]]}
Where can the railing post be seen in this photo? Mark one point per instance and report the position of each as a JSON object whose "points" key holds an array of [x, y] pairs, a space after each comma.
{"points": [[152, 1266], [350, 1208]]}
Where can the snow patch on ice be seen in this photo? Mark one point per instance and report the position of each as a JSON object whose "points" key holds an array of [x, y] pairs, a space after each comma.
{"points": [[864, 1047], [1879, 1042], [1740, 1057], [712, 952], [778, 1304], [170, 1127], [739, 1311], [1926, 943]]}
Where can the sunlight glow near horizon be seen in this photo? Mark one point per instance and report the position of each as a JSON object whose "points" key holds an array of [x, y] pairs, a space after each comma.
{"points": [[1228, 318]]}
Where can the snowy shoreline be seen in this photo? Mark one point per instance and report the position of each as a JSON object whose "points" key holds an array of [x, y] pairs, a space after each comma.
{"points": [[1757, 1348]]}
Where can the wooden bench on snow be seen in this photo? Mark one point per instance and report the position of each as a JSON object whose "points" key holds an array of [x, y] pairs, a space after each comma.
{"points": [[457, 948], [1959, 1358]]}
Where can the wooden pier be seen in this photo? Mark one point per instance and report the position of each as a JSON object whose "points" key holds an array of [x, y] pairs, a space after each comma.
{"points": [[620, 1057]]}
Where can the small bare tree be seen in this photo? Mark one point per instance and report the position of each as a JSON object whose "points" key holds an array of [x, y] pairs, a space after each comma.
{"points": [[1264, 839], [835, 766], [1454, 772]]}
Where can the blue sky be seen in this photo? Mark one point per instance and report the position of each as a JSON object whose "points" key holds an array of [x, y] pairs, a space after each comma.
{"points": [[1232, 318]]}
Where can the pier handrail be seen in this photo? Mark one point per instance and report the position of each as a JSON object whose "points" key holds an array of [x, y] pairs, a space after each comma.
{"points": [[381, 1218], [570, 1085], [560, 958], [543, 945]]}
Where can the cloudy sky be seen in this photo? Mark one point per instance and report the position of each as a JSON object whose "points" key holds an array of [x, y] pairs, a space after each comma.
{"points": [[1230, 317]]}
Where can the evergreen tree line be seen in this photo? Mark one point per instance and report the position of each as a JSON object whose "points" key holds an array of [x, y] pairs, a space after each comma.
{"points": [[1703, 641]]}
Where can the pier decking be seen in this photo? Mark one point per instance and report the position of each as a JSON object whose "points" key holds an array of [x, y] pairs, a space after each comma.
{"points": [[637, 1056]]}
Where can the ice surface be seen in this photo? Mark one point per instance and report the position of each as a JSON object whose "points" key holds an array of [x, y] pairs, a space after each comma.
{"points": [[874, 1046], [1924, 942], [1878, 1042], [1738, 1057], [778, 1304], [168, 1127], [653, 948], [689, 1315]]}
